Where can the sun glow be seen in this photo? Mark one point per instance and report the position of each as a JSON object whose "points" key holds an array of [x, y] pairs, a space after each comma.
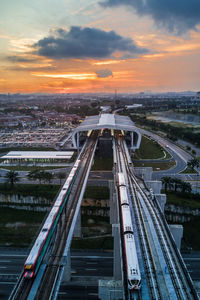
{"points": [[81, 76], [107, 62]]}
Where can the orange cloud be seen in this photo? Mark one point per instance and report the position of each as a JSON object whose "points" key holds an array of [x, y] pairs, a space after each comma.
{"points": [[81, 76]]}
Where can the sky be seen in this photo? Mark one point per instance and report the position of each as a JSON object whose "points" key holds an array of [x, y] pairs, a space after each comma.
{"points": [[87, 46]]}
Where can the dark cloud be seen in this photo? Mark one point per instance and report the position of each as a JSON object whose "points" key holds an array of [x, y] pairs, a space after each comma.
{"points": [[29, 69], [16, 58], [175, 15], [85, 43], [104, 73]]}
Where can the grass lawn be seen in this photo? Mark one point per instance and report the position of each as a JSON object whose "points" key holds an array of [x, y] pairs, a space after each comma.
{"points": [[19, 227], [191, 233], [5, 150], [179, 200], [100, 243], [30, 168], [97, 192], [157, 166], [149, 149], [189, 171], [44, 190], [102, 164]]}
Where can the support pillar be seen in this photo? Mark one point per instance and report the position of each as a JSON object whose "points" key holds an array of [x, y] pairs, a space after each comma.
{"points": [[77, 229], [77, 141], [74, 141], [156, 186], [113, 289], [144, 173], [131, 140], [67, 271], [117, 267], [177, 233], [114, 220], [161, 198]]}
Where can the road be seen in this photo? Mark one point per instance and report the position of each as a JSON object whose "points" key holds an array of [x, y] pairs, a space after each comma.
{"points": [[180, 156], [87, 268]]}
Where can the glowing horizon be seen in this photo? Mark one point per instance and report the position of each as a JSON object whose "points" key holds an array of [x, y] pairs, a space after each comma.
{"points": [[85, 47]]}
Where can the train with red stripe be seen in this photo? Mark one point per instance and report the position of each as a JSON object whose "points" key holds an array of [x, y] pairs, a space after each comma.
{"points": [[38, 250], [131, 258]]}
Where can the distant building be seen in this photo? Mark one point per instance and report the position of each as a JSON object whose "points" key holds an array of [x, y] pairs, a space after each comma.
{"points": [[105, 109], [133, 106]]}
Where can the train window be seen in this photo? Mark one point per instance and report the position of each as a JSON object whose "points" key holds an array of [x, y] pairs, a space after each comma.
{"points": [[44, 230], [128, 228], [134, 282], [133, 271]]}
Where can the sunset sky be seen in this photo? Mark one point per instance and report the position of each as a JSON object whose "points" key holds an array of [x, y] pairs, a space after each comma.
{"points": [[69, 46]]}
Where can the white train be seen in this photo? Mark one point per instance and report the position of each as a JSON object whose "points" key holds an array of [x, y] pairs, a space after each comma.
{"points": [[38, 250], [132, 265]]}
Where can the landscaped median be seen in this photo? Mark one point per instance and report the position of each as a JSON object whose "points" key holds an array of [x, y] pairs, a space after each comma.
{"points": [[151, 154]]}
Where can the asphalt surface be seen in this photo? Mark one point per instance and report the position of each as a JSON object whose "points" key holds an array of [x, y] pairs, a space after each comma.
{"points": [[86, 268], [180, 156]]}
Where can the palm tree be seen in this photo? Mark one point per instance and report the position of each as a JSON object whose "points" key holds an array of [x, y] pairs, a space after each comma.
{"points": [[177, 183], [61, 175], [35, 175], [167, 181], [194, 162], [186, 187], [12, 177], [47, 176]]}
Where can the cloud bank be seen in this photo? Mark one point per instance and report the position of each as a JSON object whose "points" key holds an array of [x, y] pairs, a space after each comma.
{"points": [[84, 43], [177, 16], [104, 73]]}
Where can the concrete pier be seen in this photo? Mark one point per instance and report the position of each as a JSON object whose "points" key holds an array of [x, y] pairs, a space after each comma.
{"points": [[156, 186], [144, 173], [177, 233], [77, 229], [161, 198], [67, 271]]}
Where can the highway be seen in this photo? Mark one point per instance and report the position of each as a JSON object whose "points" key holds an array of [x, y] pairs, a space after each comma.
{"points": [[180, 156], [95, 264], [86, 266]]}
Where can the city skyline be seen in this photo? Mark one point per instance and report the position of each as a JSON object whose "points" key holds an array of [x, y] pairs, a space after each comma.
{"points": [[99, 46]]}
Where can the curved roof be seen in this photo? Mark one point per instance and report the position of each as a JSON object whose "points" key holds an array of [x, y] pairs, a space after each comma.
{"points": [[109, 121]]}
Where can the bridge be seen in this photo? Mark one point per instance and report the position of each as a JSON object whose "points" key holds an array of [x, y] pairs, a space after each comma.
{"points": [[147, 262]]}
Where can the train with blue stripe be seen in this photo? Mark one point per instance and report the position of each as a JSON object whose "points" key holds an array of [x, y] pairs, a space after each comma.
{"points": [[131, 258], [38, 250]]}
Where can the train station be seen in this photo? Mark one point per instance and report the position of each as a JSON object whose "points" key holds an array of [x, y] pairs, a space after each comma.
{"points": [[110, 122]]}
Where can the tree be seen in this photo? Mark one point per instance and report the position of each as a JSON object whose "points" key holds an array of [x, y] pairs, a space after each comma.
{"points": [[12, 177], [168, 183], [186, 187], [35, 175], [194, 152], [177, 183], [47, 176], [188, 147], [61, 175], [192, 163]]}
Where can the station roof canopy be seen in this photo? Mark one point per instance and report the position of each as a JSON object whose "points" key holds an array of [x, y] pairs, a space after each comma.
{"points": [[109, 121], [38, 155]]}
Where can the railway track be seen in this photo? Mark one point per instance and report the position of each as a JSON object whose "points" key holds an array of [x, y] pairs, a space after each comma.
{"points": [[143, 208], [55, 254], [144, 241], [50, 277]]}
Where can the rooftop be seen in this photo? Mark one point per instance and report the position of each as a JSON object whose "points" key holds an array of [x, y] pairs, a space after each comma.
{"points": [[110, 121], [38, 155]]}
